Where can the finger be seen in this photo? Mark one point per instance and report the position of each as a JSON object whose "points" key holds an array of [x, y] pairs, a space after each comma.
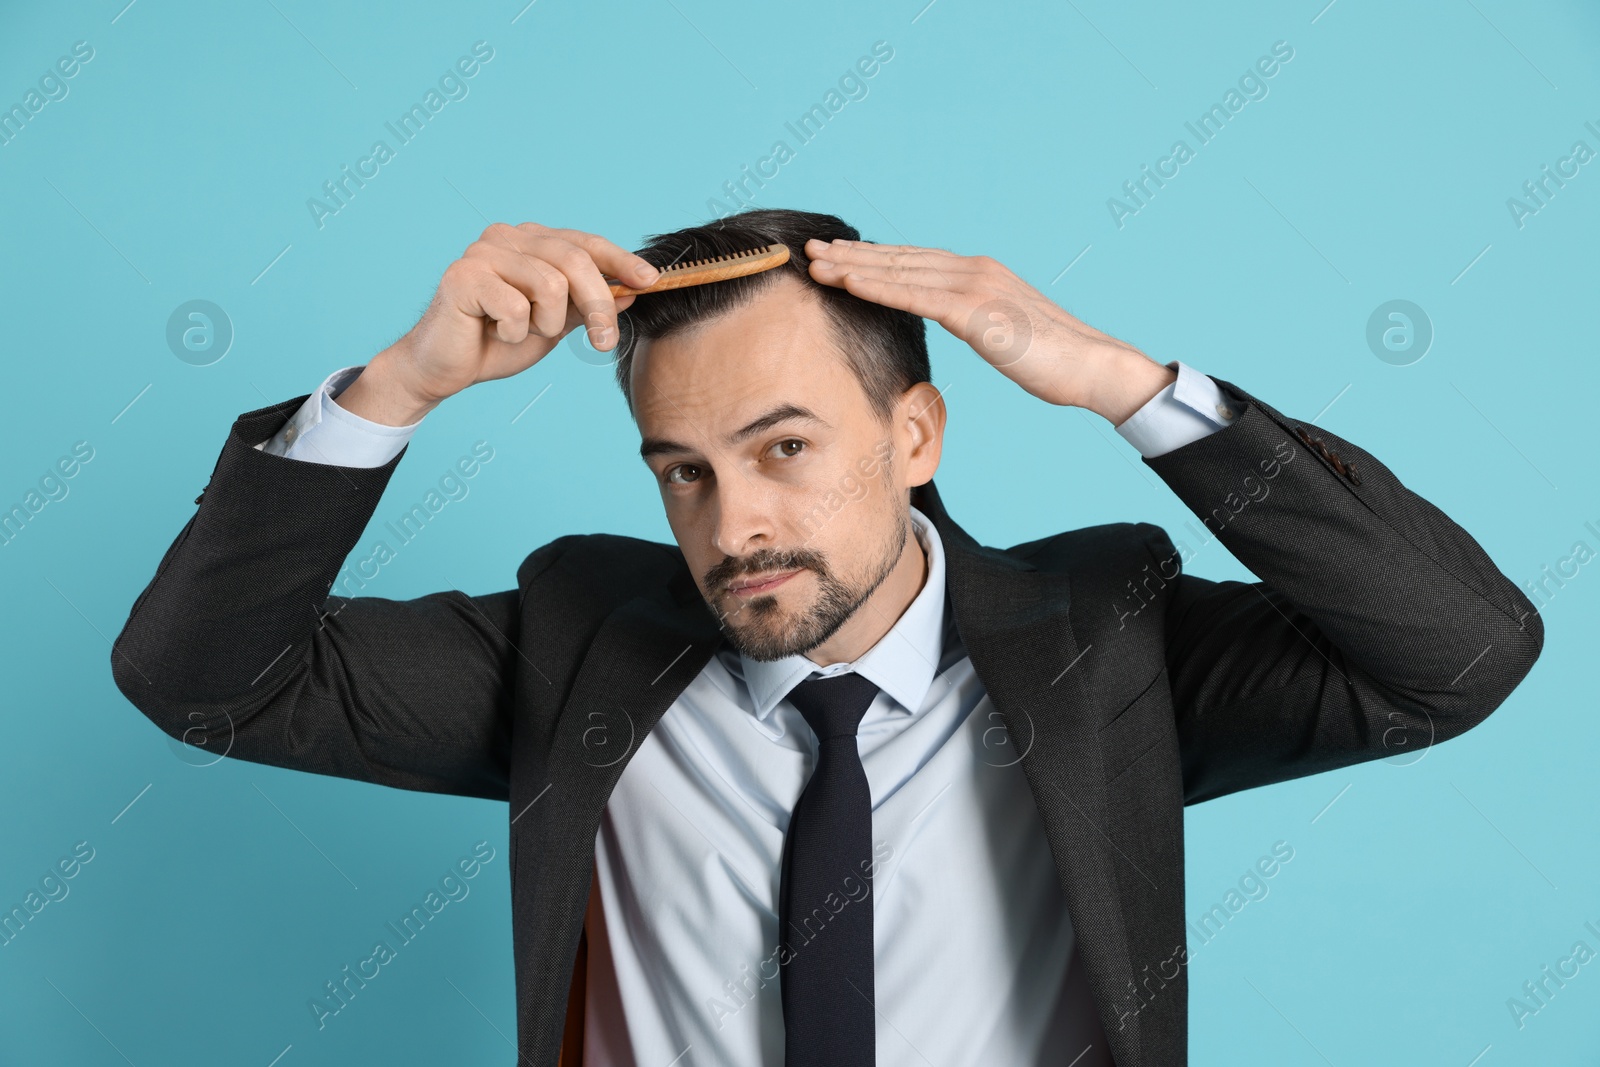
{"points": [[931, 277], [582, 284], [481, 292], [575, 317], [847, 243], [866, 252], [585, 288], [545, 287], [938, 304], [948, 268], [580, 257], [591, 293], [532, 272], [611, 258]]}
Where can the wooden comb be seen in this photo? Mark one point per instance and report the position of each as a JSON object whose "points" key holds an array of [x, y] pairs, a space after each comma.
{"points": [[715, 269]]}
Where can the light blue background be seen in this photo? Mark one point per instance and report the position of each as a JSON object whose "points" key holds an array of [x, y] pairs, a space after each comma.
{"points": [[1377, 168]]}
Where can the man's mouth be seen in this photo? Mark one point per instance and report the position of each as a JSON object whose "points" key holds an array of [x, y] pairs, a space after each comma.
{"points": [[762, 583]]}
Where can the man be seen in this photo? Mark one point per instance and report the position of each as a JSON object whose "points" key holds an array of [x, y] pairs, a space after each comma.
{"points": [[827, 781]]}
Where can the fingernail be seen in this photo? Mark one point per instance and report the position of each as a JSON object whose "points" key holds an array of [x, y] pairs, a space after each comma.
{"points": [[644, 272], [600, 337], [823, 263]]}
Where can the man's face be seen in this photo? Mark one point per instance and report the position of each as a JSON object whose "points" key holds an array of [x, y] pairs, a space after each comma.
{"points": [[783, 488]]}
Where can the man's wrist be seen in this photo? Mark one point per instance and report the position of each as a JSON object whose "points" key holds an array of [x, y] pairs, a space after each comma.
{"points": [[379, 395], [1123, 380]]}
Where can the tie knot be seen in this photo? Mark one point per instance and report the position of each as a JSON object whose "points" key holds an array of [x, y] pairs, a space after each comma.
{"points": [[833, 706]]}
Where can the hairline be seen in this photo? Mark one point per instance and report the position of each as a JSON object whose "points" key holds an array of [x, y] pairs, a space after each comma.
{"points": [[842, 335]]}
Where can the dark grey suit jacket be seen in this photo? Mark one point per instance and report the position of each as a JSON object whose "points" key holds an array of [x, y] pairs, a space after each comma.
{"points": [[1133, 689]]}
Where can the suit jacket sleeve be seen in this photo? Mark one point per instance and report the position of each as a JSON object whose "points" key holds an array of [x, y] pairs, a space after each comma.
{"points": [[1379, 627], [237, 646]]}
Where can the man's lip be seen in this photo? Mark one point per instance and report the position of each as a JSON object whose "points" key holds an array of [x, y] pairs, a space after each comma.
{"points": [[746, 585]]}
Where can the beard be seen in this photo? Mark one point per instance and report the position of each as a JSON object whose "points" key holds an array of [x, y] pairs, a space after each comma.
{"points": [[761, 629]]}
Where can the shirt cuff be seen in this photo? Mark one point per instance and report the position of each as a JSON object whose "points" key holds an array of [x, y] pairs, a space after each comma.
{"points": [[323, 432], [1186, 410]]}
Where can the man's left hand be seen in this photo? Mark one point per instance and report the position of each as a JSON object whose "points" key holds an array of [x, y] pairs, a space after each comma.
{"points": [[1008, 322]]}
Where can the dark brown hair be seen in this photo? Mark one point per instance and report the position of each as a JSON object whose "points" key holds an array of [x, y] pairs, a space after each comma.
{"points": [[885, 347]]}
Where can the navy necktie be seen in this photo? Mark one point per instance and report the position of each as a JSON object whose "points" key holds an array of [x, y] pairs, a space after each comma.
{"points": [[824, 917]]}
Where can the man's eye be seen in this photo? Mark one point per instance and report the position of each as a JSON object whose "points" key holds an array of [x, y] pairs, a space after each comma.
{"points": [[790, 441], [690, 473]]}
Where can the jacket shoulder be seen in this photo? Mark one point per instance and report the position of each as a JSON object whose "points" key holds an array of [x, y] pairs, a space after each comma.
{"points": [[1091, 547], [570, 586], [610, 567]]}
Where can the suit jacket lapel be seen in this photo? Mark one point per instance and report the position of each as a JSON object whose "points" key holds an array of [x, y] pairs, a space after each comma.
{"points": [[643, 656], [1013, 619]]}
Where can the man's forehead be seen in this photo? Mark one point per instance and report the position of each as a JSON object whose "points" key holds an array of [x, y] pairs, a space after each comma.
{"points": [[736, 367], [774, 319]]}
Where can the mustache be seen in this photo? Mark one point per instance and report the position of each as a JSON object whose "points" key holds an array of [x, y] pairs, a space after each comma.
{"points": [[765, 561]]}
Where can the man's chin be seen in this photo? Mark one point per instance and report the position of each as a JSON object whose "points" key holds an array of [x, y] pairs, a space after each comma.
{"points": [[764, 653], [770, 639]]}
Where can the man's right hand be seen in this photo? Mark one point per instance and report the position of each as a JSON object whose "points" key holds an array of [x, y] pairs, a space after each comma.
{"points": [[499, 309]]}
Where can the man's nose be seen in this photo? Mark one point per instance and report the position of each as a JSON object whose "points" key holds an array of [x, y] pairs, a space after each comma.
{"points": [[745, 517]]}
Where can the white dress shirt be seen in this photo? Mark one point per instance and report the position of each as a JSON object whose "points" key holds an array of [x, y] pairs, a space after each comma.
{"points": [[974, 950]]}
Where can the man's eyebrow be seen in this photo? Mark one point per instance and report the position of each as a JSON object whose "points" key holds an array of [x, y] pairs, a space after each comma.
{"points": [[652, 446]]}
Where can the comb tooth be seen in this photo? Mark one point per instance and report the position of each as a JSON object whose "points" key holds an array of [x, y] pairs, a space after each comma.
{"points": [[722, 258]]}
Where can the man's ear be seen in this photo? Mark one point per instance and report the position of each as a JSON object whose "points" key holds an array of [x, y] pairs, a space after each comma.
{"points": [[919, 432]]}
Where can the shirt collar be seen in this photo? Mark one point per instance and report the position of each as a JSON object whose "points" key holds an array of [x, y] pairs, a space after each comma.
{"points": [[903, 662]]}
